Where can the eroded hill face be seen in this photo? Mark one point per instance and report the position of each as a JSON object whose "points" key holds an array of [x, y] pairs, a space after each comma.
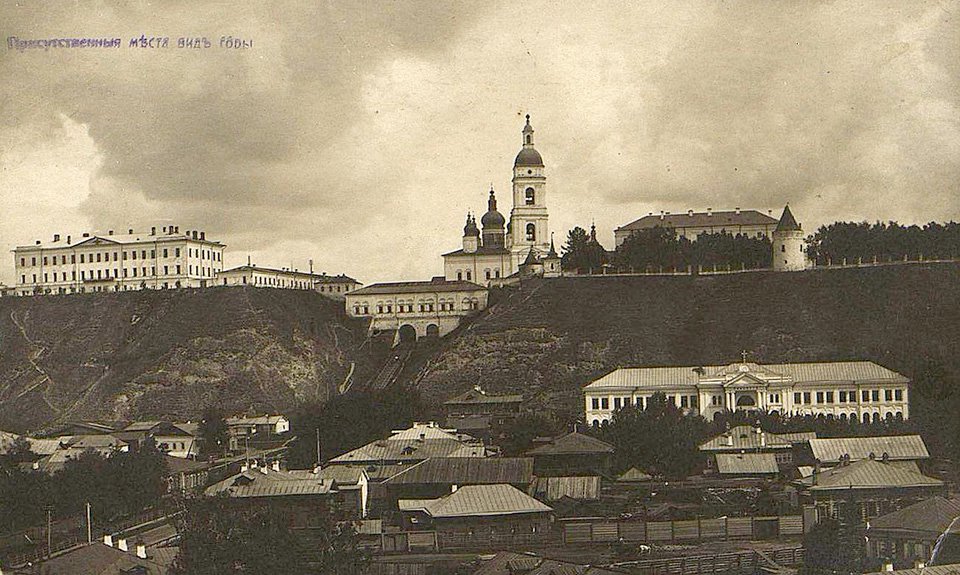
{"points": [[551, 338], [149, 354]]}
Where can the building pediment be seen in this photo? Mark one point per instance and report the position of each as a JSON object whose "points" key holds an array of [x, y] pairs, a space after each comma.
{"points": [[744, 381]]}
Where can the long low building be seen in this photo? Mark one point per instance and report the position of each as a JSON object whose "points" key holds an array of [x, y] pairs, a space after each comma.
{"points": [[860, 390], [417, 309], [252, 275]]}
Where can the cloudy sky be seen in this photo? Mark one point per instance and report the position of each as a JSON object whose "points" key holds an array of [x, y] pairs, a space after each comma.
{"points": [[358, 134]]}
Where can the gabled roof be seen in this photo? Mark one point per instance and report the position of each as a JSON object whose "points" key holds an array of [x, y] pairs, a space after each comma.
{"points": [[477, 501], [747, 464], [634, 474], [409, 450], [745, 437], [868, 474], [702, 220], [897, 447], [572, 444], [256, 420], [100, 559], [418, 287], [265, 482], [931, 516], [510, 563], [157, 428], [467, 471], [580, 488]]}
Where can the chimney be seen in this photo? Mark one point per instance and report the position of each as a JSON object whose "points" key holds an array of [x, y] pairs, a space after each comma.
{"points": [[661, 214], [263, 470], [38, 242], [453, 488], [737, 211], [153, 230], [130, 231], [887, 566], [110, 232], [122, 544], [918, 564], [203, 235], [56, 237], [141, 551], [108, 540], [729, 440], [164, 229], [68, 239], [275, 465], [690, 213], [763, 439], [709, 211]]}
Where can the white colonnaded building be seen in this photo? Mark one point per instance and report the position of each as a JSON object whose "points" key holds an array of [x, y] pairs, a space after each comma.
{"points": [[860, 390], [499, 252], [335, 286], [417, 309], [158, 259]]}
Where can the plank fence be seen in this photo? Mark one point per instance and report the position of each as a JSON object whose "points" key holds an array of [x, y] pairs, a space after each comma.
{"points": [[576, 531], [734, 562]]}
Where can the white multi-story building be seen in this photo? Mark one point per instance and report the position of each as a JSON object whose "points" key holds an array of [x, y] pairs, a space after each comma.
{"points": [[417, 309], [691, 224], [158, 259], [251, 275], [860, 390]]}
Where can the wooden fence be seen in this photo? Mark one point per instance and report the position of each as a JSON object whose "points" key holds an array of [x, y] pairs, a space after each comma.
{"points": [[735, 562], [576, 531]]}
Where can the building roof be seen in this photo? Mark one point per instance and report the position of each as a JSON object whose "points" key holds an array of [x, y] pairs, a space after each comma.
{"points": [[467, 471], [747, 463], [572, 444], [342, 475], [554, 488], [813, 372], [100, 559], [476, 501], [528, 157], [256, 420], [745, 437], [897, 448], [868, 474], [481, 251], [634, 474], [951, 569], [317, 278], [406, 450], [265, 482], [510, 563], [478, 396], [931, 516], [144, 237], [787, 222], [418, 287], [701, 220], [159, 428]]}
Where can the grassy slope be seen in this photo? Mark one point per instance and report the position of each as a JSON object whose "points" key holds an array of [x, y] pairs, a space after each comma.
{"points": [[554, 337], [169, 353]]}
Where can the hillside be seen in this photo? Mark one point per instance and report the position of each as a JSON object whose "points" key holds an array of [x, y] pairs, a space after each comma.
{"points": [[552, 337], [114, 356]]}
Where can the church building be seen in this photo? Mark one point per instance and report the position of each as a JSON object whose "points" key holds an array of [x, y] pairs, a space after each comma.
{"points": [[501, 248]]}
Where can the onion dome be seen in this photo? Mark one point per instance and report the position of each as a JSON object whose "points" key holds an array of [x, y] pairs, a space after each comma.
{"points": [[471, 228], [493, 218], [528, 155]]}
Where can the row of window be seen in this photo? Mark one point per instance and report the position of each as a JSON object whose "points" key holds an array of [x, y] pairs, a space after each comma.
{"points": [[849, 396], [82, 289], [421, 307], [131, 255], [104, 274], [598, 403], [487, 273]]}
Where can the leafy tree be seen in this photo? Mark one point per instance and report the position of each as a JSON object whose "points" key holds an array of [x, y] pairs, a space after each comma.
{"points": [[835, 546], [659, 249], [517, 435], [19, 450], [349, 421], [658, 438], [582, 252], [220, 537], [214, 433]]}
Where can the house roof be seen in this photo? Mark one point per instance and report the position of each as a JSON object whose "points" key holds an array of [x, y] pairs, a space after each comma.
{"points": [[571, 444], [897, 447], [476, 501], [745, 437], [554, 488], [134, 238], [100, 559], [256, 420], [510, 563], [467, 471], [653, 377], [478, 396], [158, 428], [316, 278], [747, 463], [868, 474], [343, 475], [409, 450], [701, 220], [634, 474], [931, 516], [184, 465], [257, 483], [418, 287], [951, 569]]}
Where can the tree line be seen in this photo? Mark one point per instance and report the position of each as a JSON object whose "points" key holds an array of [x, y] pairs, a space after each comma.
{"points": [[890, 241]]}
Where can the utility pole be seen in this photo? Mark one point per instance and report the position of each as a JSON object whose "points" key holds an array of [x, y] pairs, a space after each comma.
{"points": [[49, 525], [89, 526], [318, 447]]}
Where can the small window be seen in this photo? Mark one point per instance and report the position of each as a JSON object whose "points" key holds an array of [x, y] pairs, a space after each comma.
{"points": [[530, 196], [531, 232], [783, 248], [898, 394], [888, 395]]}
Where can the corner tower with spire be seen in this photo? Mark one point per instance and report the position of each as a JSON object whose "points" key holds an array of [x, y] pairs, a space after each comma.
{"points": [[788, 246], [529, 226]]}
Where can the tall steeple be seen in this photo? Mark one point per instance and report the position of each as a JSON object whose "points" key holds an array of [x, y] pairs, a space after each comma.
{"points": [[528, 218]]}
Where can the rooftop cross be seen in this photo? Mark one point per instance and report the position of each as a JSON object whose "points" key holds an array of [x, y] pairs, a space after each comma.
{"points": [[743, 354]]}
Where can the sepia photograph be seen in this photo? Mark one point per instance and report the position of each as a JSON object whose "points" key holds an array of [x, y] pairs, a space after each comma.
{"points": [[467, 287]]}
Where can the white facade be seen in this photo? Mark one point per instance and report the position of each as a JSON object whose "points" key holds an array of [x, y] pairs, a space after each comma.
{"points": [[845, 390], [751, 223], [161, 259], [789, 250], [432, 308], [251, 275]]}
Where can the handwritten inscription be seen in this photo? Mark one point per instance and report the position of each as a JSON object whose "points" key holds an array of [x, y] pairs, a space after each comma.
{"points": [[142, 42]]}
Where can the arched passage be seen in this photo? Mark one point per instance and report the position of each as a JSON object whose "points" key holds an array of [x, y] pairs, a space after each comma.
{"points": [[407, 333], [433, 330]]}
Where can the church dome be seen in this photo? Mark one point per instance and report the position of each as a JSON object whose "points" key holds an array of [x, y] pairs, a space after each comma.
{"points": [[471, 228], [492, 219], [528, 157]]}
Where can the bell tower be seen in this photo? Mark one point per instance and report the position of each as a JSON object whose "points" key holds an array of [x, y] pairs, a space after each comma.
{"points": [[528, 219]]}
